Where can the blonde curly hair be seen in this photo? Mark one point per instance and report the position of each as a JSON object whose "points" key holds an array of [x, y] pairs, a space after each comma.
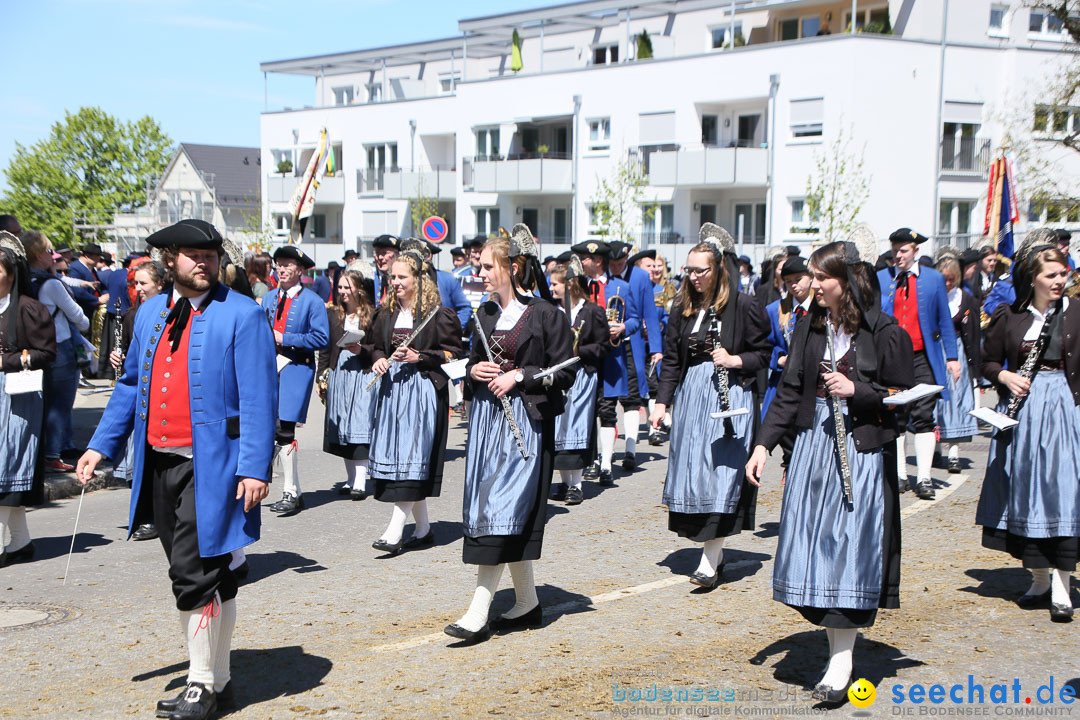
{"points": [[429, 298]]}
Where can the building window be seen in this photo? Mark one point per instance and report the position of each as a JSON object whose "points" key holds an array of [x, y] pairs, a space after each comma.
{"points": [[600, 133], [877, 20], [380, 158], [660, 227], [997, 19], [281, 222], [1055, 211], [374, 91], [318, 225], [707, 213], [448, 83], [605, 54], [487, 221], [801, 219], [1045, 23], [954, 217], [960, 150], [752, 218], [722, 35], [487, 144], [343, 95], [709, 130], [807, 117], [560, 226], [796, 28]]}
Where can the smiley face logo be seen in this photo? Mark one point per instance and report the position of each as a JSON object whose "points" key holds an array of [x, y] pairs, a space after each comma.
{"points": [[862, 693]]}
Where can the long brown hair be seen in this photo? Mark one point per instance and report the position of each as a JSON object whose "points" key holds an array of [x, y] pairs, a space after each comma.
{"points": [[575, 286], [831, 259], [690, 300], [365, 308], [426, 300], [500, 253]]}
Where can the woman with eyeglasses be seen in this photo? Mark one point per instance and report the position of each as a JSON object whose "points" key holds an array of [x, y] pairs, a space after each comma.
{"points": [[716, 340]]}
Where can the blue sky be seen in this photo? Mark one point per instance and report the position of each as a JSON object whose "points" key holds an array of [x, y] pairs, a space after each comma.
{"points": [[192, 65]]}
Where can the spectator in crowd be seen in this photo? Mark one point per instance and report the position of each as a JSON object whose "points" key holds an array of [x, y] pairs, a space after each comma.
{"points": [[258, 272], [8, 223]]}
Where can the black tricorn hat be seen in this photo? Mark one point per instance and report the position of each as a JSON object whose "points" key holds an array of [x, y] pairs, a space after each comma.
{"points": [[389, 241], [619, 249], [91, 249], [457, 252], [1063, 235], [195, 234], [592, 247], [291, 252], [907, 235], [794, 266], [650, 253], [564, 257], [476, 242]]}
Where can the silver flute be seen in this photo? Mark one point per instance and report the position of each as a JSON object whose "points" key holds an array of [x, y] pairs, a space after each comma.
{"points": [[405, 344], [838, 418], [508, 412], [1027, 370]]}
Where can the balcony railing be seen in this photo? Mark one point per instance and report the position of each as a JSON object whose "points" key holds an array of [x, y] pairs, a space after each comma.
{"points": [[439, 182], [331, 189], [971, 157], [372, 180], [960, 241], [663, 237], [708, 166], [548, 173]]}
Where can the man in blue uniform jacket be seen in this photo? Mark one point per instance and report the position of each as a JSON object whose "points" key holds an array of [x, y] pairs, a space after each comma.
{"points": [[916, 297], [301, 328], [612, 294], [450, 291], [198, 392]]}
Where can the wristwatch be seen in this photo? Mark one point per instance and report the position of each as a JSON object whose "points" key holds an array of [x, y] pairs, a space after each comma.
{"points": [[519, 377]]}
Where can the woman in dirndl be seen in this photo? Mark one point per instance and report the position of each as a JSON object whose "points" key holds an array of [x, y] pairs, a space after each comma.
{"points": [[508, 466], [575, 429], [409, 440], [714, 329], [149, 280], [955, 423], [27, 342], [344, 375], [838, 555], [1030, 501]]}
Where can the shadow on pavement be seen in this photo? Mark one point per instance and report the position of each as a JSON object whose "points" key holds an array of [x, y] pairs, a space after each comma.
{"points": [[685, 562], [768, 530], [46, 548], [1002, 583], [263, 565]]}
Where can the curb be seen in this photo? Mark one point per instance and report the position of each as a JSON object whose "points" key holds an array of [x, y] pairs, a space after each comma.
{"points": [[61, 486]]}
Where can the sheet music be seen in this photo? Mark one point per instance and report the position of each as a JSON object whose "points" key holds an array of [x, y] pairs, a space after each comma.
{"points": [[911, 395], [992, 417]]}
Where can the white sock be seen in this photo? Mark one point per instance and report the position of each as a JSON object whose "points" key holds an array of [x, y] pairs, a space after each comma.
{"points": [[842, 643], [924, 454], [1059, 587], [631, 426], [400, 515], [223, 644], [565, 476], [575, 478], [361, 482], [16, 525], [238, 558], [954, 451], [290, 469], [420, 517], [524, 589], [5, 513], [711, 555], [487, 582], [652, 404], [350, 474], [1040, 581], [667, 420], [607, 447], [901, 460], [200, 627]]}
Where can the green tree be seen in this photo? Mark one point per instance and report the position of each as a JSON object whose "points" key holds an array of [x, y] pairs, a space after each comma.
{"points": [[837, 188], [617, 201], [91, 163], [421, 208]]}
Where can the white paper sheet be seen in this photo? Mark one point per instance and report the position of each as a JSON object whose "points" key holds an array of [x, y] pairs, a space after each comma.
{"points": [[912, 394], [350, 337], [992, 417], [455, 370], [729, 413]]}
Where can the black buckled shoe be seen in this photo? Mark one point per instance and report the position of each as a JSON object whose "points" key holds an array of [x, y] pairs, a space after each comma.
{"points": [[558, 491], [924, 489], [14, 557], [830, 696], [414, 543], [574, 496], [197, 702], [146, 531], [344, 489], [1061, 613], [606, 479], [241, 572], [225, 698], [706, 581], [456, 631], [655, 439], [954, 466], [358, 494], [629, 462], [388, 548], [591, 472], [1034, 602], [532, 619], [289, 504]]}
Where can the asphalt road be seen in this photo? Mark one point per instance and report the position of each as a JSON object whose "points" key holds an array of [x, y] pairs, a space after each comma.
{"points": [[330, 628]]}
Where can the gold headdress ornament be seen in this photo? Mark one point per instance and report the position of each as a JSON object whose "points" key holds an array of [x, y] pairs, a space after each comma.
{"points": [[522, 242], [235, 255], [416, 246], [12, 244], [1035, 240], [366, 269], [502, 232], [775, 251], [716, 236], [861, 245], [574, 268], [946, 251]]}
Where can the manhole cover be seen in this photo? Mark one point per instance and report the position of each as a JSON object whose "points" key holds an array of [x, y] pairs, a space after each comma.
{"points": [[23, 615]]}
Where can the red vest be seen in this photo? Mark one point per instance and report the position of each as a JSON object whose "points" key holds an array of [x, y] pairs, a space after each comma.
{"points": [[168, 422], [282, 316], [906, 311]]}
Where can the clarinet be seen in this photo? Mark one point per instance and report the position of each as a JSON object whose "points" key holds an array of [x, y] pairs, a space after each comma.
{"points": [[508, 412], [117, 340], [723, 377], [405, 344], [1029, 368], [838, 417]]}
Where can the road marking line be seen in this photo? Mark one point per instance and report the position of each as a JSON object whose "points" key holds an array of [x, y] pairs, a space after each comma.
{"points": [[912, 509]]}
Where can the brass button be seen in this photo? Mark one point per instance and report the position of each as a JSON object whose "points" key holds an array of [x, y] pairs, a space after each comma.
{"points": [[164, 389], [162, 406], [144, 403], [166, 374], [157, 327], [153, 338], [143, 390], [147, 353], [143, 416], [145, 379], [164, 314], [168, 359], [146, 366], [163, 422], [163, 438]]}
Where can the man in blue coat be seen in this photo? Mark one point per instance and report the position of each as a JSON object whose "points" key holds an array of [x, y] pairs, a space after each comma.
{"points": [[642, 305], [322, 285], [916, 297], [450, 291], [198, 393], [612, 294], [386, 251], [301, 328]]}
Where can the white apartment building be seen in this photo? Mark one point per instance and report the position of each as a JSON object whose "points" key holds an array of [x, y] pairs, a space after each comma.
{"points": [[727, 131]]}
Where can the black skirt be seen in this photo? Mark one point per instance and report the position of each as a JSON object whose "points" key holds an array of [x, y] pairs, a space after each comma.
{"points": [[395, 491], [1057, 552], [498, 549], [701, 527], [350, 451], [36, 494]]}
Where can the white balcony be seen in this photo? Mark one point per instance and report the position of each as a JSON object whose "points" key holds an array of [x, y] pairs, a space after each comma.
{"points": [[541, 175], [437, 183], [709, 167], [331, 189]]}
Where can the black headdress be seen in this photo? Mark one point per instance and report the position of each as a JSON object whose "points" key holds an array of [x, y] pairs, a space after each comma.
{"points": [[523, 245], [1023, 278]]}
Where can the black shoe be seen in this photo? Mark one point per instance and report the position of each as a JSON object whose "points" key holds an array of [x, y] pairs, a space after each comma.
{"points": [[241, 573], [225, 698], [387, 548], [924, 488], [1034, 602], [456, 631], [954, 466], [1061, 613], [574, 496], [289, 504], [146, 531], [418, 542], [605, 478], [707, 581], [592, 472], [532, 619], [358, 494], [655, 439], [197, 702], [23, 554], [629, 462], [344, 489], [830, 696], [558, 491]]}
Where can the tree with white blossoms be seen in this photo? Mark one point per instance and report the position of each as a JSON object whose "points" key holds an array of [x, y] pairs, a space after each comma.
{"points": [[617, 201], [838, 188]]}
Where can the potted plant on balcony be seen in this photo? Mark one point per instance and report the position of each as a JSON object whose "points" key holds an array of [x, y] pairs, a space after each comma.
{"points": [[284, 167], [542, 150], [644, 46]]}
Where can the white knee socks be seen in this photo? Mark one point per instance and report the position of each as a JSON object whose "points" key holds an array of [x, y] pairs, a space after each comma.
{"points": [[841, 645], [924, 454], [223, 644], [1040, 581], [572, 477], [420, 517], [901, 460], [524, 589], [607, 447], [954, 451], [487, 582], [290, 464], [238, 558], [1059, 587], [392, 533], [209, 633], [631, 426], [14, 520], [711, 555], [356, 474]]}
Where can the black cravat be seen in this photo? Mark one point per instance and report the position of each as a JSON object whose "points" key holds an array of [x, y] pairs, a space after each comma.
{"points": [[594, 289], [177, 321], [902, 282], [280, 305]]}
